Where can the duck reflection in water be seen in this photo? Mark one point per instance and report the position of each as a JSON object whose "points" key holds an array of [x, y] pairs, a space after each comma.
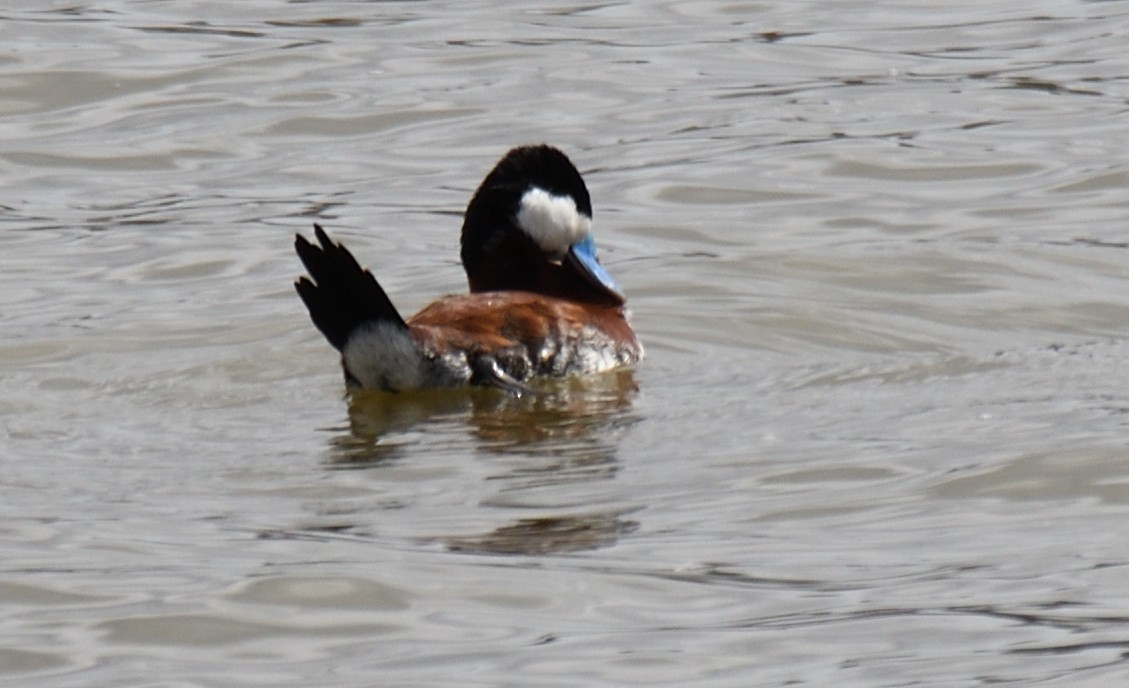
{"points": [[581, 418], [568, 432]]}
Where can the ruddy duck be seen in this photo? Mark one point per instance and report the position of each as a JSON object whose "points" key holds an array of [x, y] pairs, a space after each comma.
{"points": [[540, 303]]}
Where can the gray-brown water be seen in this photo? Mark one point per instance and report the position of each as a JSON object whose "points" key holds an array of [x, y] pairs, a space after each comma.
{"points": [[878, 252]]}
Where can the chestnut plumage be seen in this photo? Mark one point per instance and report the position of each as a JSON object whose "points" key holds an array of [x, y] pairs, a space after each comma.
{"points": [[541, 304]]}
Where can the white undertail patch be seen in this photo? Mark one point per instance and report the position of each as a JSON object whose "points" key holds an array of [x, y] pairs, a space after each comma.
{"points": [[382, 355], [554, 222]]}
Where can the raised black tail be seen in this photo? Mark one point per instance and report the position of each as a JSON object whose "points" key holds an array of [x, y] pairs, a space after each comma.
{"points": [[340, 294]]}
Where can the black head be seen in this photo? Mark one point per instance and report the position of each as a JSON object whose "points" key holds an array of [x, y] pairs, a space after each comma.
{"points": [[528, 227]]}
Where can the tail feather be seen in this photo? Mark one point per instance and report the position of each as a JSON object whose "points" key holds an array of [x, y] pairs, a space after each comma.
{"points": [[340, 295]]}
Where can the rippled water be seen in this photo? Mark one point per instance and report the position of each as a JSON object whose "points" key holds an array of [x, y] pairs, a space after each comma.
{"points": [[877, 252]]}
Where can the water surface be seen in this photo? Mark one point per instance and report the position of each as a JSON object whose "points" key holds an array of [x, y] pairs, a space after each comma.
{"points": [[877, 253]]}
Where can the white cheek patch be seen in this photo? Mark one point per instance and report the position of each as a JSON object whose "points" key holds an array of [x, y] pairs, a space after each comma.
{"points": [[552, 221]]}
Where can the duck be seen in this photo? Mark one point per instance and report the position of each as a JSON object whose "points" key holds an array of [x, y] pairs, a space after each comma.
{"points": [[539, 303]]}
